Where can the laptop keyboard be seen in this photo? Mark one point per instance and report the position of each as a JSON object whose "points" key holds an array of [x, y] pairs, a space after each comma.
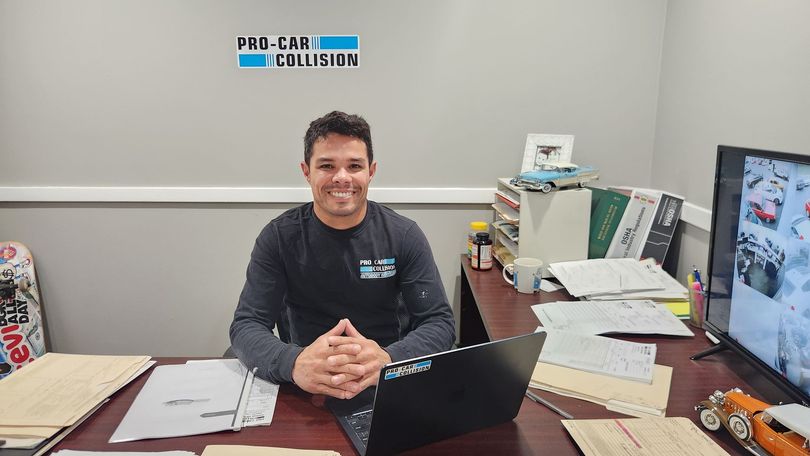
{"points": [[361, 423]]}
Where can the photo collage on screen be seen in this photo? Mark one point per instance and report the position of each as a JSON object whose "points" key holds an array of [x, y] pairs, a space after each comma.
{"points": [[770, 313]]}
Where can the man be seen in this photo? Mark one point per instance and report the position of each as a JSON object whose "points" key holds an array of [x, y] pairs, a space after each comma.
{"points": [[356, 281]]}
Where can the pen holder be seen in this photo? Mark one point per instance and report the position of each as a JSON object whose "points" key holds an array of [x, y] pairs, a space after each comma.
{"points": [[697, 310]]}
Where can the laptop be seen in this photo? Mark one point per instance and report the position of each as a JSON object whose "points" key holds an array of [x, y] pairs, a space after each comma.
{"points": [[426, 399]]}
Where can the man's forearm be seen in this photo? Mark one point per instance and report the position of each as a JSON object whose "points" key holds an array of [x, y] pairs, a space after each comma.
{"points": [[258, 347], [433, 336]]}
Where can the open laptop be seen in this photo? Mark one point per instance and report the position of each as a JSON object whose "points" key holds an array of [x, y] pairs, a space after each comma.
{"points": [[422, 400]]}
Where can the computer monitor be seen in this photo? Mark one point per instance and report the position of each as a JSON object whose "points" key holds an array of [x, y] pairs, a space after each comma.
{"points": [[759, 264]]}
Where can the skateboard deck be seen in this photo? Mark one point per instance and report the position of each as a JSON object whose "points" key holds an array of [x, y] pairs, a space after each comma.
{"points": [[22, 334]]}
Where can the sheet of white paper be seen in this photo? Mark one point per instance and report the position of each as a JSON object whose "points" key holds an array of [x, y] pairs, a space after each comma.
{"points": [[600, 355], [261, 403], [185, 399], [549, 287], [603, 317]]}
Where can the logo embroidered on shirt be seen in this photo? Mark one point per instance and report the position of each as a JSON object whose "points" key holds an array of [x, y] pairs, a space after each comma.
{"points": [[378, 269]]}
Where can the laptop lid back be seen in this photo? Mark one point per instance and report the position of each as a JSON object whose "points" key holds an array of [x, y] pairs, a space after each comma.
{"points": [[434, 397]]}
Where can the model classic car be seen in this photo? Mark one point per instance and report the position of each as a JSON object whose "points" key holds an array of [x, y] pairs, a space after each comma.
{"points": [[548, 176], [780, 430]]}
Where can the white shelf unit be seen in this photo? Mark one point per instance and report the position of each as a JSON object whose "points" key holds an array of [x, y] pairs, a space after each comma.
{"points": [[552, 226]]}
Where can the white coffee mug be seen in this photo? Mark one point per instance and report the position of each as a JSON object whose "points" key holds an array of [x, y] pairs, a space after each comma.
{"points": [[526, 274]]}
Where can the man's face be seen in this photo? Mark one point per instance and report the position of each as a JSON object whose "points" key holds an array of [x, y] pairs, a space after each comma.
{"points": [[339, 173]]}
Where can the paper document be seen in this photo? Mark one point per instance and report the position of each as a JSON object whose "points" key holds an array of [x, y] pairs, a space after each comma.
{"points": [[243, 450], [187, 399], [262, 398], [600, 355], [549, 287], [603, 317], [643, 437], [617, 394]]}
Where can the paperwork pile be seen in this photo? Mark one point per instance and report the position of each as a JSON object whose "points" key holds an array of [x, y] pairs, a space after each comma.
{"points": [[618, 279], [629, 317], [58, 391]]}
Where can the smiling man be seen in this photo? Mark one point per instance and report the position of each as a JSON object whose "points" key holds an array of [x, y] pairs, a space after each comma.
{"points": [[352, 284]]}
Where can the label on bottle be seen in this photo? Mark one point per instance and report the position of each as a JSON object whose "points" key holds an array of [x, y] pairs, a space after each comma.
{"points": [[485, 257]]}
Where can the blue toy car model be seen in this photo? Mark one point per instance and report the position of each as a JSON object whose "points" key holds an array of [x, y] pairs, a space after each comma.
{"points": [[555, 175]]}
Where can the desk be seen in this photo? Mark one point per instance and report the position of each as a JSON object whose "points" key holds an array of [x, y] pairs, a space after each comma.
{"points": [[490, 309]]}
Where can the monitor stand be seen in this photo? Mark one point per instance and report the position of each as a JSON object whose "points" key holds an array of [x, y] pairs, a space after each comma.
{"points": [[721, 346]]}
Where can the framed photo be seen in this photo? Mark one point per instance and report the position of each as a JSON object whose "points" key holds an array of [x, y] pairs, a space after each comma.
{"points": [[546, 148]]}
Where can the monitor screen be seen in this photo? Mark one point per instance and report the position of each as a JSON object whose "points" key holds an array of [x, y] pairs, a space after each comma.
{"points": [[759, 264]]}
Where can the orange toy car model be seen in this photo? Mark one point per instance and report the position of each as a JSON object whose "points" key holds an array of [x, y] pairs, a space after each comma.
{"points": [[781, 430]]}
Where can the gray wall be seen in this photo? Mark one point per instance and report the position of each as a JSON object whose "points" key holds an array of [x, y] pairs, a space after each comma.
{"points": [[734, 72], [126, 93], [146, 93]]}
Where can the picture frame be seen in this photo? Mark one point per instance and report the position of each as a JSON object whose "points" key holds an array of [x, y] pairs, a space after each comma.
{"points": [[543, 148]]}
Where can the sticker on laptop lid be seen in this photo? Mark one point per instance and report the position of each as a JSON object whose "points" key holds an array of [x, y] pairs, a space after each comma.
{"points": [[409, 369]]}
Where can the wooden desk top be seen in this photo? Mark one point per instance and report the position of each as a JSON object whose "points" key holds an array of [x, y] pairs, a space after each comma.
{"points": [[302, 421]]}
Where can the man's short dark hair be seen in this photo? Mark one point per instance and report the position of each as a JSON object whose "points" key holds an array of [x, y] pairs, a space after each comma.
{"points": [[342, 124]]}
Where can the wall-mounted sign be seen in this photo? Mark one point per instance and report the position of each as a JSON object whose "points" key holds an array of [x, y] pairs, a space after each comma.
{"points": [[298, 51]]}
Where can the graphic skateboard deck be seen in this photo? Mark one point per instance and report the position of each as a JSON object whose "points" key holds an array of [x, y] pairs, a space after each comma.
{"points": [[22, 334]]}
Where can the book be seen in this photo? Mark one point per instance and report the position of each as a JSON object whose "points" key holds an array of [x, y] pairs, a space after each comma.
{"points": [[662, 227], [632, 230], [607, 208]]}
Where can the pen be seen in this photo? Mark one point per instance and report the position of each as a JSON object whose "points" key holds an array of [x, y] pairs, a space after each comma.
{"points": [[549, 405], [697, 277]]}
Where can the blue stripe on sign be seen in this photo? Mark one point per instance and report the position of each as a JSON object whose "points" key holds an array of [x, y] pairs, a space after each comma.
{"points": [[314, 41], [388, 261], [340, 42], [423, 363], [272, 58], [391, 375], [366, 269], [252, 60]]}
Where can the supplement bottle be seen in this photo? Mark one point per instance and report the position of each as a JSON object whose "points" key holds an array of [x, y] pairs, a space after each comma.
{"points": [[482, 252]]}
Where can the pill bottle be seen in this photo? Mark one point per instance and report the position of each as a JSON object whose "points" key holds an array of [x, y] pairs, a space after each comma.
{"points": [[475, 227], [482, 252]]}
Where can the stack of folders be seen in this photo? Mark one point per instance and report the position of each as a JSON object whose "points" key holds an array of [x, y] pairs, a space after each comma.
{"points": [[44, 401], [616, 394]]}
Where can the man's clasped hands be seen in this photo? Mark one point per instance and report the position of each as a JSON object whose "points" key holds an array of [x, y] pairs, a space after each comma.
{"points": [[340, 363]]}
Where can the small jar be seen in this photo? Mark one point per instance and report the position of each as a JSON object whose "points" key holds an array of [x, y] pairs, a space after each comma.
{"points": [[475, 227], [482, 252]]}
